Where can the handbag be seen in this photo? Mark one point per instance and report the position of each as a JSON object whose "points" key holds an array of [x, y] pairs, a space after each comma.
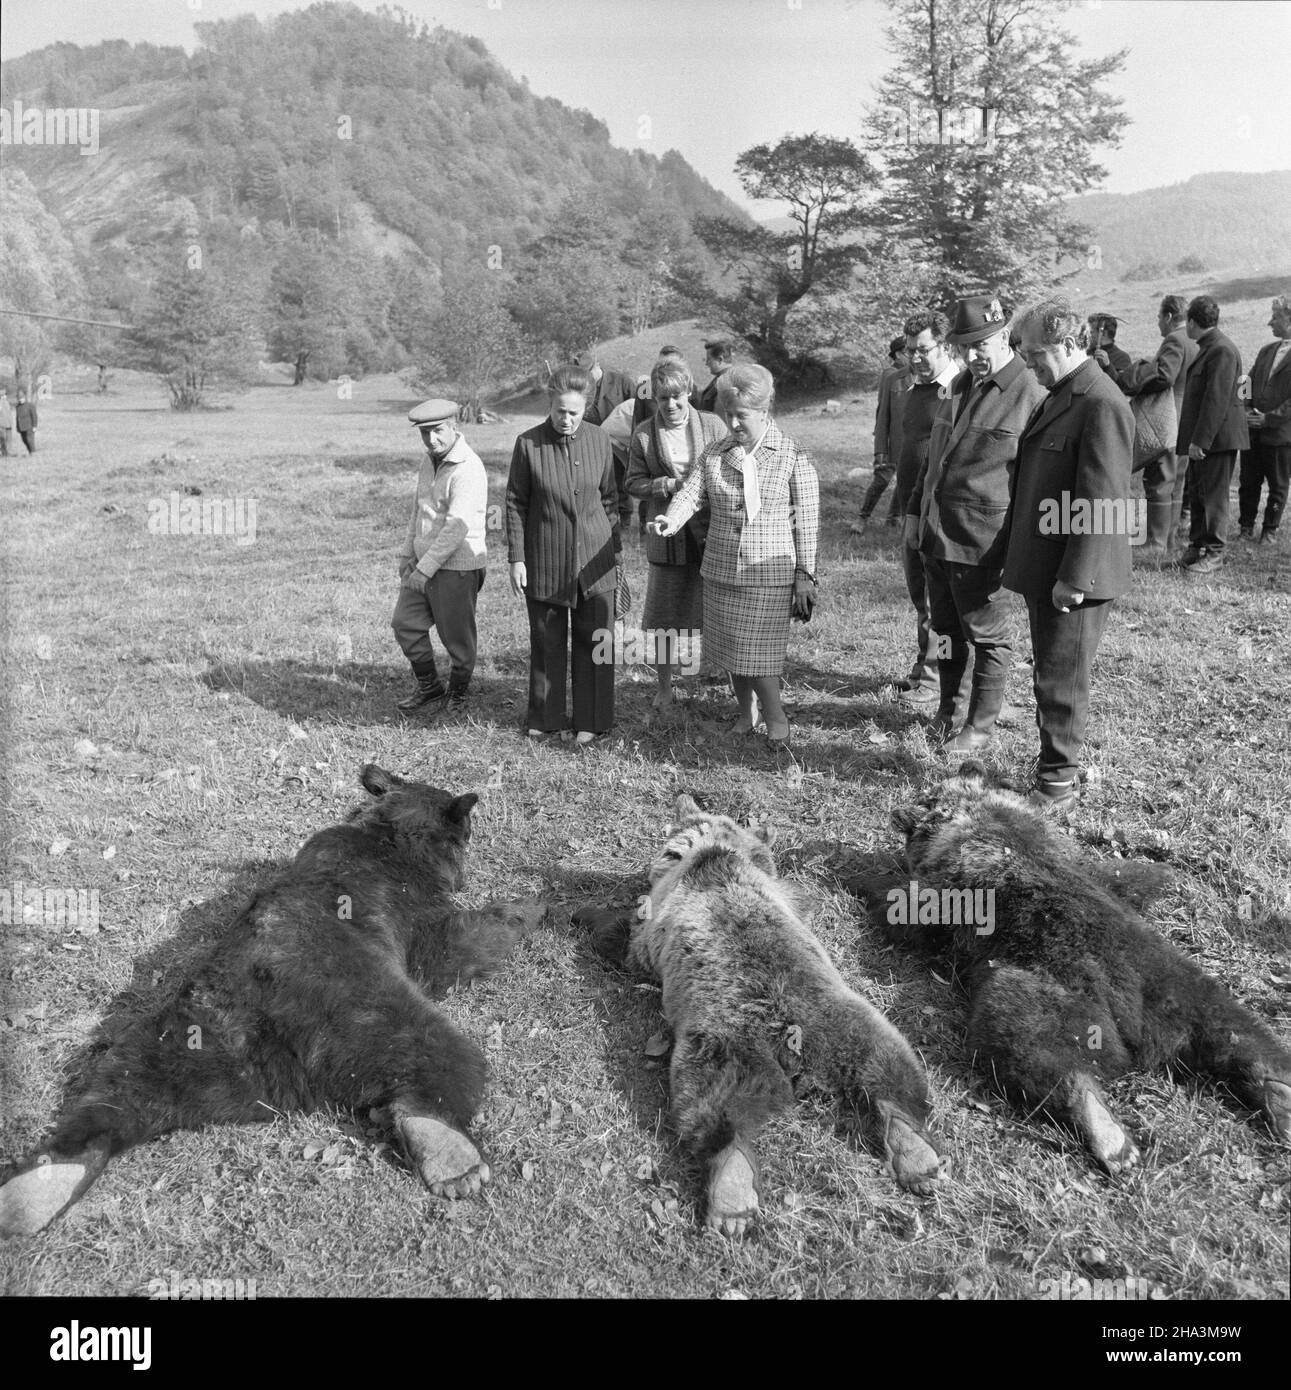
{"points": [[1156, 425], [622, 595]]}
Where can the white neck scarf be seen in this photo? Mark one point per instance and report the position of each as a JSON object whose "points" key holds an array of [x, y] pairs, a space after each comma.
{"points": [[744, 460]]}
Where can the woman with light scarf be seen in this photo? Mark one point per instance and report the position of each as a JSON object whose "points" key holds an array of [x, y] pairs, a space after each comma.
{"points": [[759, 562]]}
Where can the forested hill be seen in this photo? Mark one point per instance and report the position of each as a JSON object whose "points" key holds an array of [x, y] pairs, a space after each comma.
{"points": [[1217, 221], [332, 119]]}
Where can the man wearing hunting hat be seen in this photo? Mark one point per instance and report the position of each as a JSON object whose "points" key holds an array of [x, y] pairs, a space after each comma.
{"points": [[959, 506], [441, 566], [1268, 460]]}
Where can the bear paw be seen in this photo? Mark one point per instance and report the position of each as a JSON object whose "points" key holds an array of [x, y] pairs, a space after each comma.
{"points": [[1112, 1148], [443, 1157], [732, 1192], [1277, 1106], [916, 1165]]}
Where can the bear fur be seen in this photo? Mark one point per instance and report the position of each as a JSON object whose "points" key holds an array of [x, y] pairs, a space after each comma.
{"points": [[752, 999], [316, 995], [1070, 986]]}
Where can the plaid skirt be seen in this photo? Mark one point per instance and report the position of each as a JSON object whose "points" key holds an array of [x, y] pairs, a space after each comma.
{"points": [[746, 627], [674, 599]]}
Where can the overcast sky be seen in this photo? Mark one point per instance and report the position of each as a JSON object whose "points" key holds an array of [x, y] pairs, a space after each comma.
{"points": [[1205, 83]]}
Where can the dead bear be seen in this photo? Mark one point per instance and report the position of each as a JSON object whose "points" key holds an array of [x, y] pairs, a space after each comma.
{"points": [[753, 998], [316, 995], [1067, 984]]}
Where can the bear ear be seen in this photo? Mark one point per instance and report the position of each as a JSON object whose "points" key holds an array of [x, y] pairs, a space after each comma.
{"points": [[765, 833], [377, 780], [975, 774], [686, 806], [460, 806], [907, 819]]}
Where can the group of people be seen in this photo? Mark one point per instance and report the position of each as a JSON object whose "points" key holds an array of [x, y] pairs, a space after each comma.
{"points": [[730, 512], [1011, 444], [22, 418]]}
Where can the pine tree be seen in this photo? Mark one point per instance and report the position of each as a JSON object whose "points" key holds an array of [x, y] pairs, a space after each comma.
{"points": [[986, 125]]}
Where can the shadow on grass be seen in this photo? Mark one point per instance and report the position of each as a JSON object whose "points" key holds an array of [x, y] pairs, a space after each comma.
{"points": [[355, 693]]}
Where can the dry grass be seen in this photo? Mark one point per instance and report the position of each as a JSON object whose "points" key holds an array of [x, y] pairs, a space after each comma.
{"points": [[230, 693]]}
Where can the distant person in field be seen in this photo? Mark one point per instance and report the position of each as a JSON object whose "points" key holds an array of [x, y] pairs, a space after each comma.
{"points": [[6, 424], [956, 515], [1113, 360], [1068, 549], [1268, 460], [1212, 429], [26, 420], [663, 454], [932, 370], [441, 566], [760, 552], [564, 548], [1163, 476], [894, 381], [719, 358]]}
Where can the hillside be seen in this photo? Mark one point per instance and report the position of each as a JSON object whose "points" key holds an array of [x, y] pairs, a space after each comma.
{"points": [[335, 120], [1223, 221]]}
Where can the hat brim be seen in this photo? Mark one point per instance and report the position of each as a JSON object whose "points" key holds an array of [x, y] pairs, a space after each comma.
{"points": [[430, 424], [975, 335]]}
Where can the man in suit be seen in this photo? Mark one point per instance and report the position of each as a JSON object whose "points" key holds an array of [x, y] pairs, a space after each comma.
{"points": [[958, 508], [932, 369], [1269, 420], [894, 381], [719, 358], [1163, 476], [441, 566], [25, 420], [1212, 429], [1102, 346], [1068, 549], [606, 388]]}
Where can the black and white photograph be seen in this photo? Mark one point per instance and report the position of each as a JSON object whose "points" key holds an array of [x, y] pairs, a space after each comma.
{"points": [[646, 655]]}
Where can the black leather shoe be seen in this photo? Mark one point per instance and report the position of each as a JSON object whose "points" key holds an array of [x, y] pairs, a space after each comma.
{"points": [[427, 690]]}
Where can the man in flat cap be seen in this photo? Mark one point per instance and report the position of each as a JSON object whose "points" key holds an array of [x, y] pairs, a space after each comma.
{"points": [[1268, 418], [958, 508], [441, 566], [1068, 550]]}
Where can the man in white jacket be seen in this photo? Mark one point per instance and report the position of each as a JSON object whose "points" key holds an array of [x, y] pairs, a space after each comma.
{"points": [[441, 566]]}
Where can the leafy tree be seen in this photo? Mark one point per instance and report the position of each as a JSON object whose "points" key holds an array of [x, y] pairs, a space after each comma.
{"points": [[198, 330], [476, 342], [37, 273], [986, 125], [827, 183]]}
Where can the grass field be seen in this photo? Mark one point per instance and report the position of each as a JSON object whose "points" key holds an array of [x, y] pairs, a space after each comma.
{"points": [[182, 711]]}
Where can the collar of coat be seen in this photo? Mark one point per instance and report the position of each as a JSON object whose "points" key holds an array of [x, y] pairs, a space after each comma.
{"points": [[772, 441], [694, 428]]}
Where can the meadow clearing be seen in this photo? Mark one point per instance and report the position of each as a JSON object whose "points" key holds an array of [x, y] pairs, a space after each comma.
{"points": [[181, 711]]}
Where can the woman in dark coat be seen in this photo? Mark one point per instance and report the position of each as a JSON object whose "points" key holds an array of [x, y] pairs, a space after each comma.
{"points": [[563, 546]]}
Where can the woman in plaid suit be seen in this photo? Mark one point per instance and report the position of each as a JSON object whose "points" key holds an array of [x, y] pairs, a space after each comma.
{"points": [[662, 455], [563, 546], [764, 514]]}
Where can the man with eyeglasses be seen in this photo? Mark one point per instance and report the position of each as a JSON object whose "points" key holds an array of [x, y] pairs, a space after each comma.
{"points": [[957, 512], [441, 566], [1069, 523], [932, 369]]}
